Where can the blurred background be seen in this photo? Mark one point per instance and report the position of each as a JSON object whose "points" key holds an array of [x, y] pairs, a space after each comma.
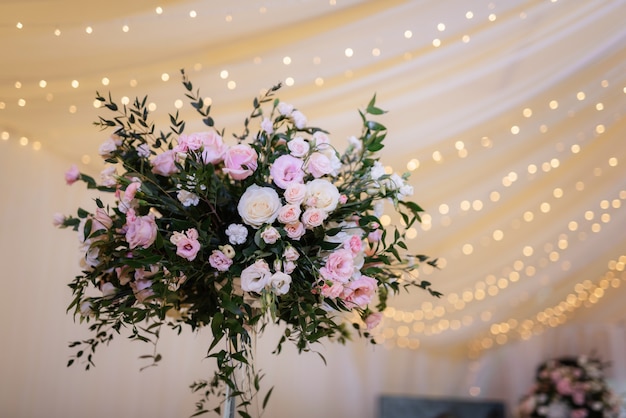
{"points": [[510, 116]]}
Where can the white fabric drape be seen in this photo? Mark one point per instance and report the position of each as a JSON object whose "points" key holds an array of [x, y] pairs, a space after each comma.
{"points": [[512, 117]]}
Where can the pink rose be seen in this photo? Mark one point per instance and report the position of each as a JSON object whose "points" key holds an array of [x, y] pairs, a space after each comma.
{"points": [[219, 261], [240, 161], [270, 235], [360, 291], [164, 163], [191, 142], [313, 217], [318, 165], [287, 169], [339, 266], [295, 193], [343, 199], [298, 147], [187, 244], [254, 278], [373, 319], [214, 148], [141, 231], [72, 175], [142, 289], [331, 289], [289, 214], [354, 244], [295, 230]]}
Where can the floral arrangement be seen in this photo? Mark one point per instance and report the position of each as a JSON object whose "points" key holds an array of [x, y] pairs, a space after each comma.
{"points": [[571, 387], [277, 227]]}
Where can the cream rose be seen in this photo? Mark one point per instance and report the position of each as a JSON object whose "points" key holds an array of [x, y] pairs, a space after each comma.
{"points": [[258, 206], [321, 194]]}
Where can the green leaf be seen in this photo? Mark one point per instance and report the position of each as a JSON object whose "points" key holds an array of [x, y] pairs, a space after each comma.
{"points": [[267, 397]]}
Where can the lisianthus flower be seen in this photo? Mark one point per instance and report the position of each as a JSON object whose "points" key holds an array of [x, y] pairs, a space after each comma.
{"points": [[72, 175], [279, 283], [220, 261], [187, 244], [254, 278], [287, 169]]}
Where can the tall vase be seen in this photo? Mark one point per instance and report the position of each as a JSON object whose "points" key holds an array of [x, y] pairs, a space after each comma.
{"points": [[230, 403]]}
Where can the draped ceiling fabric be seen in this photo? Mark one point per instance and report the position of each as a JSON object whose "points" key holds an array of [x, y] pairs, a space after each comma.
{"points": [[510, 116]]}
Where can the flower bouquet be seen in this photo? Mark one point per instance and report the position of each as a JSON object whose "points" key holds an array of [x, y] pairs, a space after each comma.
{"points": [[276, 227], [571, 387]]}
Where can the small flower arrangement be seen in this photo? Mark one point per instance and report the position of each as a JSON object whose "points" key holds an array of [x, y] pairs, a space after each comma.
{"points": [[278, 227], [571, 387]]}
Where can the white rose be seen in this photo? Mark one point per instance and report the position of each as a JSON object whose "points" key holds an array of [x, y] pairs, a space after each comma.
{"points": [[322, 194], [258, 206], [254, 278], [279, 282]]}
